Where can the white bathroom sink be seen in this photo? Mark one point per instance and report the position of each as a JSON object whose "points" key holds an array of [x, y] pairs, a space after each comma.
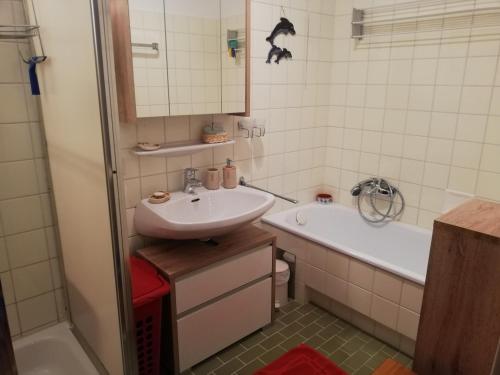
{"points": [[207, 214]]}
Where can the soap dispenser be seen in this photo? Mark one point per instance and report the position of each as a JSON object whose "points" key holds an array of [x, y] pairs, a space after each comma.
{"points": [[229, 180]]}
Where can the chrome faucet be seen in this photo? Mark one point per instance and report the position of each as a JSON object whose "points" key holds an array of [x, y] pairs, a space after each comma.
{"points": [[191, 182]]}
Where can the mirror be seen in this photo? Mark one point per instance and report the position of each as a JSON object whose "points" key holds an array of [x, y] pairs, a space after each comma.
{"points": [[189, 56], [233, 34], [149, 59], [193, 56]]}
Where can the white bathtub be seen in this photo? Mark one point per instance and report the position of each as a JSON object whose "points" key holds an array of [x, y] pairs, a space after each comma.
{"points": [[396, 247]]}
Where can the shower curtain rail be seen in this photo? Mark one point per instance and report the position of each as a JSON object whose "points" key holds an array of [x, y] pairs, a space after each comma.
{"points": [[365, 24]]}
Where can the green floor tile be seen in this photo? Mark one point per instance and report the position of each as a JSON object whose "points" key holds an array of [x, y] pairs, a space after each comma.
{"points": [[252, 353], [229, 368], [329, 331], [363, 371], [338, 356], [364, 336], [389, 350], [315, 341], [291, 329], [231, 352], [272, 355], [372, 346], [290, 317], [273, 328], [376, 360], [348, 332], [402, 358], [310, 330], [332, 345], [308, 319], [290, 306], [251, 368], [253, 339], [306, 308], [273, 341], [357, 360], [325, 320], [207, 366], [341, 323], [292, 342], [353, 345]]}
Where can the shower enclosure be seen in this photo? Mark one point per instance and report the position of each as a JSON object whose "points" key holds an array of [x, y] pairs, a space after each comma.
{"points": [[63, 257]]}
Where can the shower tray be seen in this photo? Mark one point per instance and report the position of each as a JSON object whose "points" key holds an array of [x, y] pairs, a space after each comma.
{"points": [[53, 351]]}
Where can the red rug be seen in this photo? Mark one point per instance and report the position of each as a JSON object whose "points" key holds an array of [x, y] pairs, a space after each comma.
{"points": [[302, 360]]}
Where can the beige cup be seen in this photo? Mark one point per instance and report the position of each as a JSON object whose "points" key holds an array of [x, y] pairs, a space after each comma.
{"points": [[213, 179]]}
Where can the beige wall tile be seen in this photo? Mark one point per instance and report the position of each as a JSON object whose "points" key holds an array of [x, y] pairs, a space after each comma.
{"points": [[7, 287], [27, 248], [13, 320], [37, 311], [408, 323], [336, 288], [359, 299], [4, 261], [32, 280], [384, 312], [15, 142], [19, 179], [361, 274], [387, 285], [337, 264], [412, 296], [315, 278], [21, 214], [317, 255]]}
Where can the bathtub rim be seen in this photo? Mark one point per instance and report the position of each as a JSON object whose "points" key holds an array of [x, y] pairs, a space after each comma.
{"points": [[277, 220]]}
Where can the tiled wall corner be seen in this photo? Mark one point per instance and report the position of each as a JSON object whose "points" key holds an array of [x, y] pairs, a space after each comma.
{"points": [[420, 111], [29, 263]]}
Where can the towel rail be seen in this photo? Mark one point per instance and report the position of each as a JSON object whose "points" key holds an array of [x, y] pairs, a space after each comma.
{"points": [[155, 46]]}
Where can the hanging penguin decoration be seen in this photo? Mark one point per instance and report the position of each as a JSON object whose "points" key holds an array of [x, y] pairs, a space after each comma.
{"points": [[283, 27]]}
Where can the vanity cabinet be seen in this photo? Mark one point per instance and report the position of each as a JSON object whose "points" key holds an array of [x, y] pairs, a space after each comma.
{"points": [[181, 57], [222, 291]]}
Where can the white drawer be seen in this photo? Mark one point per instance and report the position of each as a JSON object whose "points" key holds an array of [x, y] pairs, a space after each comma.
{"points": [[216, 326], [221, 278]]}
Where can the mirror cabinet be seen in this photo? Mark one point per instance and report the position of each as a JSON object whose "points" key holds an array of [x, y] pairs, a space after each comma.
{"points": [[181, 57]]}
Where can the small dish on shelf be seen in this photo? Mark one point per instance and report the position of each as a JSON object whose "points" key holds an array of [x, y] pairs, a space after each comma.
{"points": [[159, 197], [146, 146]]}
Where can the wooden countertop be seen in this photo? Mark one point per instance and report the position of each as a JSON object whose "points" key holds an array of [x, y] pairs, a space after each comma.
{"points": [[177, 258], [477, 216]]}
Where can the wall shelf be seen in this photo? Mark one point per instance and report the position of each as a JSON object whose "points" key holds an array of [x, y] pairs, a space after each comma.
{"points": [[181, 148]]}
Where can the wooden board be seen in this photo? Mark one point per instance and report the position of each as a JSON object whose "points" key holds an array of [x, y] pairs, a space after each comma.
{"points": [[392, 367], [177, 258], [7, 361], [460, 321], [122, 50]]}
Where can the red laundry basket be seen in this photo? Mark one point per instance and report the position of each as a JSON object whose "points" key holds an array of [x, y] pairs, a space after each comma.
{"points": [[148, 288]]}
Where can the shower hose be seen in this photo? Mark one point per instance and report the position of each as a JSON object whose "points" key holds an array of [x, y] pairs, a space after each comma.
{"points": [[378, 187]]}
